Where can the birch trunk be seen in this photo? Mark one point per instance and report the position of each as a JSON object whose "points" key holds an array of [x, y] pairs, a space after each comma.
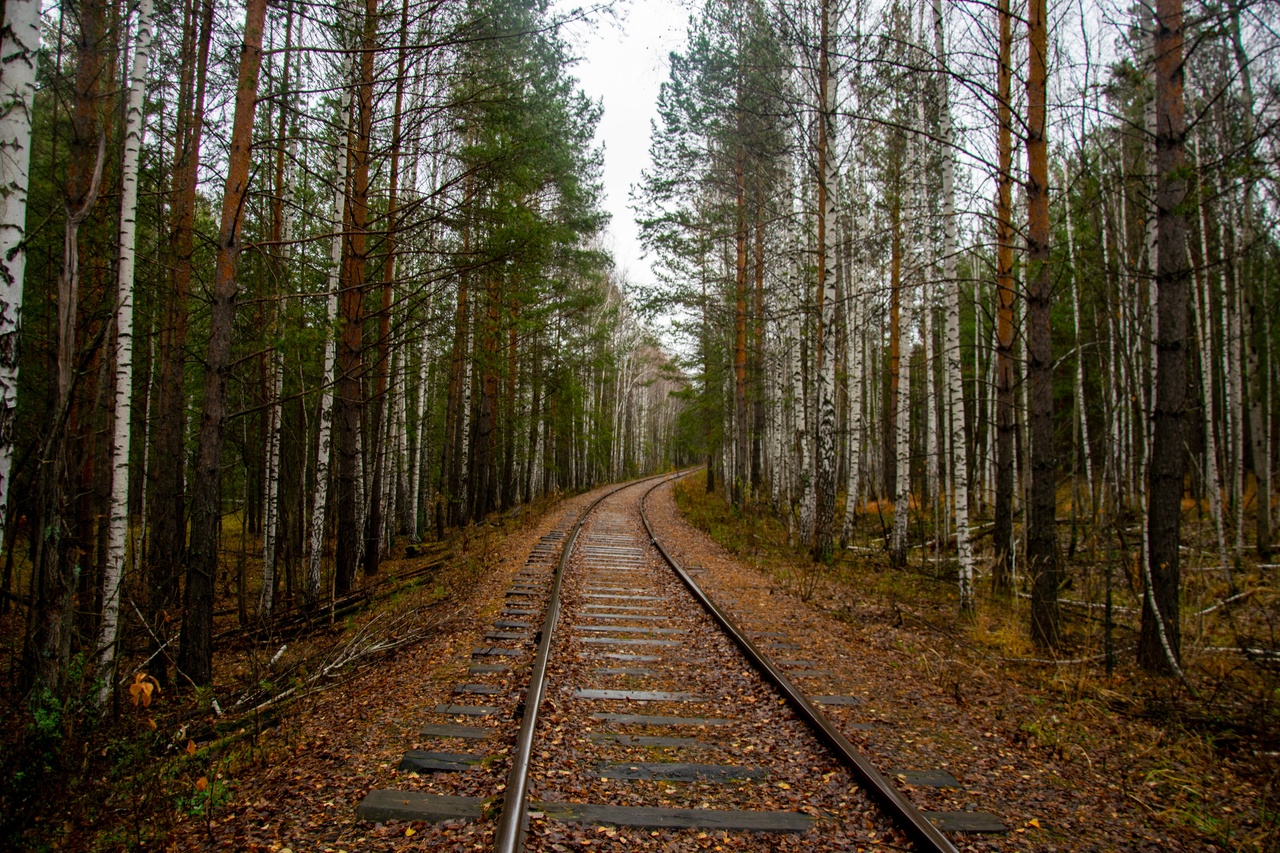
{"points": [[856, 368], [1258, 370], [826, 356], [1213, 480], [325, 438], [21, 46], [901, 415], [118, 525], [1082, 412], [418, 452], [951, 283]]}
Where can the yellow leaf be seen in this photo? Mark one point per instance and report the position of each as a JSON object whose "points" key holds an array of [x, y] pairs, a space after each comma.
{"points": [[1034, 822], [410, 831], [784, 786], [191, 747], [202, 783]]}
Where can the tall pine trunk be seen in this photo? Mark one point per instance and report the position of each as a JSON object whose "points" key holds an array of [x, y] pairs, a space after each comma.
{"points": [[349, 396], [167, 521], [1042, 534], [373, 529], [1002, 531], [1159, 645], [196, 650]]}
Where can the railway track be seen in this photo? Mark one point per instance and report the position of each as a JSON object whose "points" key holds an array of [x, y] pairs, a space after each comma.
{"points": [[614, 696]]}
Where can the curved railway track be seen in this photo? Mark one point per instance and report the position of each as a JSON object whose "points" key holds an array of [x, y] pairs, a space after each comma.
{"points": [[617, 693]]}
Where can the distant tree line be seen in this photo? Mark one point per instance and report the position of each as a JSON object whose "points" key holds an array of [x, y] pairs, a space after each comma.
{"points": [[295, 282], [958, 272]]}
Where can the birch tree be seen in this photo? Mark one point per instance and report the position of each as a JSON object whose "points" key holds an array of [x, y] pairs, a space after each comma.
{"points": [[19, 52], [951, 282], [825, 479], [118, 530]]}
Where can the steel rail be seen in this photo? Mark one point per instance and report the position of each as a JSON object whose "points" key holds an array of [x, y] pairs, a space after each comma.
{"points": [[509, 836], [891, 799]]}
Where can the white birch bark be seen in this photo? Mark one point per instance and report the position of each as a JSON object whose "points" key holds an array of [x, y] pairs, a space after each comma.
{"points": [[400, 390], [1231, 309], [951, 283], [424, 402], [118, 524], [926, 306], [1081, 412], [1213, 481], [325, 442], [271, 489], [826, 356], [1128, 446], [856, 367], [19, 53], [902, 432]]}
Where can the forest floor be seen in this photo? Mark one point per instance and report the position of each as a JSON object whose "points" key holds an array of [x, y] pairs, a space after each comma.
{"points": [[1065, 756], [1068, 758]]}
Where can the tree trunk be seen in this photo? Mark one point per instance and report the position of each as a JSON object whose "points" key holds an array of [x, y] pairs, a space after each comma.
{"points": [[1159, 646], [1002, 532], [1203, 308], [758, 386], [196, 650], [456, 405], [349, 397], [58, 554], [1259, 370], [896, 457], [324, 453], [951, 281], [825, 479], [740, 333], [281, 227], [167, 522], [119, 514], [1042, 534], [373, 530], [18, 59]]}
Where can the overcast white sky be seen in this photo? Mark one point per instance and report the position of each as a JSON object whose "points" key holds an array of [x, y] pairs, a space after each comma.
{"points": [[624, 63]]}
